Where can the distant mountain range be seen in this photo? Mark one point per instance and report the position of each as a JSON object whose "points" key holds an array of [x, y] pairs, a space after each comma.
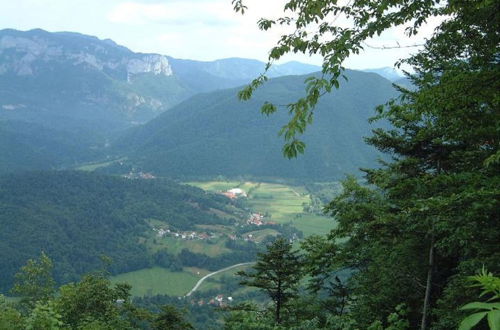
{"points": [[56, 88], [64, 97]]}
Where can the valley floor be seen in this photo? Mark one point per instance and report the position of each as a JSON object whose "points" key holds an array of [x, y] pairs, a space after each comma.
{"points": [[274, 203]]}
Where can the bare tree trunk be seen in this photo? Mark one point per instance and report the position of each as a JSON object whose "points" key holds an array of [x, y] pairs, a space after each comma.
{"points": [[428, 286], [278, 304]]}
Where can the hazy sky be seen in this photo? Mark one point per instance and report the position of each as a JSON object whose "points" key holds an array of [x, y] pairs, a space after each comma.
{"points": [[193, 29]]}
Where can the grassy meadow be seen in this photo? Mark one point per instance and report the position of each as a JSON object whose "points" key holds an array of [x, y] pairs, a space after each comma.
{"points": [[157, 280]]}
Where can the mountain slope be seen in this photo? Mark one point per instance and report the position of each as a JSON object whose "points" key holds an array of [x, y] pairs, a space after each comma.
{"points": [[213, 134], [73, 81]]}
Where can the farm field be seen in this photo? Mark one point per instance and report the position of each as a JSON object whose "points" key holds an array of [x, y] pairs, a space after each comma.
{"points": [[175, 246], [157, 280], [283, 203]]}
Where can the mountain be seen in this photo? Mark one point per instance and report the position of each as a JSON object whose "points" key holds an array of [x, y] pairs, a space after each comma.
{"points": [[239, 71], [67, 93], [216, 134], [387, 72], [77, 217], [85, 80]]}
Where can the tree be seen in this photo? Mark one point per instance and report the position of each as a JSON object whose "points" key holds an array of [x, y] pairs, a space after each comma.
{"points": [[10, 318], [44, 317], [277, 272], [440, 193], [170, 318], [312, 31], [93, 301], [34, 281]]}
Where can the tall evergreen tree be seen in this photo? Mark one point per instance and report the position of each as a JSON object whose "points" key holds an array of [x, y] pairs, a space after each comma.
{"points": [[277, 272]]}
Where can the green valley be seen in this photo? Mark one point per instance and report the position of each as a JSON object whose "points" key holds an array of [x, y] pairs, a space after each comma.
{"points": [[279, 203]]}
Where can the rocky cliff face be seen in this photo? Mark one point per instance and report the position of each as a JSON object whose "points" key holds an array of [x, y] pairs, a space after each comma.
{"points": [[68, 80], [155, 64], [23, 55]]}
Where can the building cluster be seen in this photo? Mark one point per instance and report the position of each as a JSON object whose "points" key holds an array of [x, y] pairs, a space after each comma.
{"points": [[161, 232], [219, 300], [256, 219]]}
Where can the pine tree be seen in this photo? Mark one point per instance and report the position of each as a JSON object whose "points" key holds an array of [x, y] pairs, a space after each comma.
{"points": [[277, 272]]}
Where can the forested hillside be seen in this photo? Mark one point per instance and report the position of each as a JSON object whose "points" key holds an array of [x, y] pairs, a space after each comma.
{"points": [[78, 217], [29, 146], [215, 133]]}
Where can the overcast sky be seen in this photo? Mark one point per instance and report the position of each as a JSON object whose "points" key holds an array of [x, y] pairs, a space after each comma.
{"points": [[191, 29]]}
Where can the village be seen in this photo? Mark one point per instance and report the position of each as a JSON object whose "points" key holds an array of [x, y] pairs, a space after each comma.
{"points": [[255, 219]]}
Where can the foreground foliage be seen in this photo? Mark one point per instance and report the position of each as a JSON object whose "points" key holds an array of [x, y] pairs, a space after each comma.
{"points": [[428, 219], [490, 310], [92, 303]]}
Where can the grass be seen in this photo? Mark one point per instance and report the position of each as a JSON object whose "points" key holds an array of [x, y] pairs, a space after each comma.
{"points": [[284, 203], [311, 224], [212, 247], [259, 235], [12, 300], [157, 280], [217, 281]]}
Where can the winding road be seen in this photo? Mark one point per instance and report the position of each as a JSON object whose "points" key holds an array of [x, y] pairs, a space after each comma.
{"points": [[214, 273]]}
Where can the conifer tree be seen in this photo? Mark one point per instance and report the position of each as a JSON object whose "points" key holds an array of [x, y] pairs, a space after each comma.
{"points": [[277, 272]]}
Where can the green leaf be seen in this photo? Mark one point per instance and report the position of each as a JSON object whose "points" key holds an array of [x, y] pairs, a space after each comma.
{"points": [[480, 305], [494, 320], [471, 320]]}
